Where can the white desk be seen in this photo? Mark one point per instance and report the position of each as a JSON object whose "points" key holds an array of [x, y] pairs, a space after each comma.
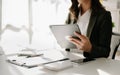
{"points": [[100, 66]]}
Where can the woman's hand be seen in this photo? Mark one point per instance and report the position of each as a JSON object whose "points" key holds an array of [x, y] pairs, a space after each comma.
{"points": [[83, 43]]}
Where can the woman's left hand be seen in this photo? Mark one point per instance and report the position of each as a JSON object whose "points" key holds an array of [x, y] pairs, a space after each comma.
{"points": [[83, 43]]}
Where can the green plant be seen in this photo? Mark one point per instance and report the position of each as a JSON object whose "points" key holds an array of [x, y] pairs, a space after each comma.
{"points": [[113, 24]]}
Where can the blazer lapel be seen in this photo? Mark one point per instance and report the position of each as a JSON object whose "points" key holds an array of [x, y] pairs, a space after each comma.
{"points": [[91, 24]]}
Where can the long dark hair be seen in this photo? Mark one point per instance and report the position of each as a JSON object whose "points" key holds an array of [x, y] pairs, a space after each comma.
{"points": [[74, 9]]}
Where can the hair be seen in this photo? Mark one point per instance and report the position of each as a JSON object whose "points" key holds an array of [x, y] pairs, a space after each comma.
{"points": [[74, 9]]}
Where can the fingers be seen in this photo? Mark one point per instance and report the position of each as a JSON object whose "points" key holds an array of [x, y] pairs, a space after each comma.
{"points": [[75, 41], [77, 34], [83, 43], [82, 37]]}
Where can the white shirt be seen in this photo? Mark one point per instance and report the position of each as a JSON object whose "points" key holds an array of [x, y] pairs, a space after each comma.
{"points": [[83, 21]]}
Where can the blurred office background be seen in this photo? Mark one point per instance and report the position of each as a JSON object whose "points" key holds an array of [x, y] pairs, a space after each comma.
{"points": [[25, 23]]}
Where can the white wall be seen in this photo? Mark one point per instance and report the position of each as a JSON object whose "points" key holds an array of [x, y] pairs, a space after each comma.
{"points": [[114, 7], [0, 13]]}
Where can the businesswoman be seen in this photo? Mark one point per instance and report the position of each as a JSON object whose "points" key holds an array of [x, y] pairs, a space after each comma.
{"points": [[96, 27]]}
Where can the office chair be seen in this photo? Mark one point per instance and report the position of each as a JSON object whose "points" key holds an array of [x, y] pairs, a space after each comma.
{"points": [[115, 42]]}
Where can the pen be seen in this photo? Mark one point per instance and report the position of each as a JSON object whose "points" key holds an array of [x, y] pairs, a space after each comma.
{"points": [[30, 55], [56, 61]]}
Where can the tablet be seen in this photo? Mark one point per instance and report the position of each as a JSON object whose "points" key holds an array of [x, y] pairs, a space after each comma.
{"points": [[61, 32]]}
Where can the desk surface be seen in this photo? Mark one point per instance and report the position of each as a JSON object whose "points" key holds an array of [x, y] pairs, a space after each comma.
{"points": [[100, 66]]}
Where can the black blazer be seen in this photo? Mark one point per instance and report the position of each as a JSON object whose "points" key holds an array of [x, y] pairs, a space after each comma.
{"points": [[99, 32]]}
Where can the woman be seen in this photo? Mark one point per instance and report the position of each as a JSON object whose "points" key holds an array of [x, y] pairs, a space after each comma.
{"points": [[96, 27]]}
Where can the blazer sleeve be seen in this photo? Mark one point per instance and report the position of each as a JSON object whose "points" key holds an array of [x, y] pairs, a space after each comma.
{"points": [[101, 47]]}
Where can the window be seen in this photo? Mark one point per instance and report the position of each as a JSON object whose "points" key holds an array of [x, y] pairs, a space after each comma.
{"points": [[25, 23]]}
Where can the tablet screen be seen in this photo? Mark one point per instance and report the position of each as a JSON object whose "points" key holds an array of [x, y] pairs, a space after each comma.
{"points": [[61, 32]]}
